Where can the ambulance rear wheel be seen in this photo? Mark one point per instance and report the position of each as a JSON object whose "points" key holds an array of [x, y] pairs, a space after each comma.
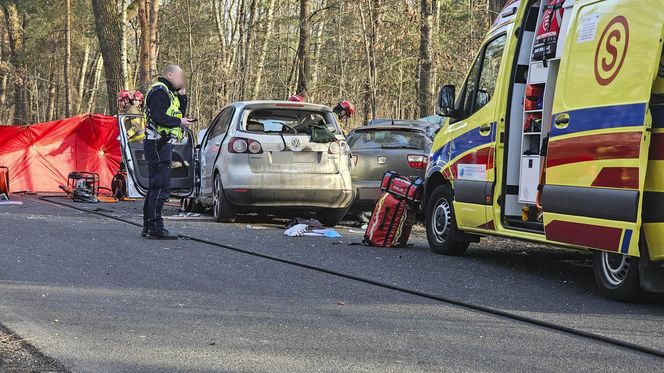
{"points": [[617, 276], [224, 212], [442, 232]]}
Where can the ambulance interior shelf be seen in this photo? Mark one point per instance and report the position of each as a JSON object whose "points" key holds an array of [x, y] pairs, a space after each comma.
{"points": [[543, 62]]}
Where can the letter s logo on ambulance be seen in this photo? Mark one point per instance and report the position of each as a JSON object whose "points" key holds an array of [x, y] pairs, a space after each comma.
{"points": [[611, 50]]}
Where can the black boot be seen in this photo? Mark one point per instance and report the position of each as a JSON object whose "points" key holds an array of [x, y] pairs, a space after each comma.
{"points": [[162, 234], [144, 233]]}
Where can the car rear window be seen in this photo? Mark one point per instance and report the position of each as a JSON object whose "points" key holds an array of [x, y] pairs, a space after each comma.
{"points": [[385, 139], [288, 121]]}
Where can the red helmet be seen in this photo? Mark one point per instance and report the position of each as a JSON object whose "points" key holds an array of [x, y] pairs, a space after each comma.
{"points": [[344, 109], [124, 99], [139, 96], [296, 98], [124, 95]]}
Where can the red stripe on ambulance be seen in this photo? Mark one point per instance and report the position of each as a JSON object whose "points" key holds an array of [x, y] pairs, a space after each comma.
{"points": [[597, 147], [605, 238], [618, 177]]}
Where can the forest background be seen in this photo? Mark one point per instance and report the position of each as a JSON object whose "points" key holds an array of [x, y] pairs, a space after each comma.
{"points": [[60, 58]]}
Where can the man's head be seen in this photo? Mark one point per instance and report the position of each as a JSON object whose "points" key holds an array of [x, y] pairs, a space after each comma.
{"points": [[174, 74]]}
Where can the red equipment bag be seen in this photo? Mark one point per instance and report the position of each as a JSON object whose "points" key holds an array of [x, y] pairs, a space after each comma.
{"points": [[394, 214], [402, 187], [391, 222], [546, 37]]}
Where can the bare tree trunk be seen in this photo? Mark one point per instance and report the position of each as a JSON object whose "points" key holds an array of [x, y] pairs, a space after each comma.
{"points": [[123, 42], [317, 49], [191, 44], [95, 85], [5, 72], [107, 24], [67, 72], [303, 60], [16, 36], [81, 78], [51, 96], [269, 26], [375, 25], [424, 66], [35, 99], [148, 14]]}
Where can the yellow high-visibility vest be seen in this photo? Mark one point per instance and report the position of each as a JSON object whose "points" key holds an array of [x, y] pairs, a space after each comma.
{"points": [[173, 111]]}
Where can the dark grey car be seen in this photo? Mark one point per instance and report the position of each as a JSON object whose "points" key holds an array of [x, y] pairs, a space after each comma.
{"points": [[387, 145]]}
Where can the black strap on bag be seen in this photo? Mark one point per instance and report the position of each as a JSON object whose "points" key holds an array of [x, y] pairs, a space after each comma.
{"points": [[382, 221]]}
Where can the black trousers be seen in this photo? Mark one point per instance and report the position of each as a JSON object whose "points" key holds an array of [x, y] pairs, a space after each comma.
{"points": [[159, 189]]}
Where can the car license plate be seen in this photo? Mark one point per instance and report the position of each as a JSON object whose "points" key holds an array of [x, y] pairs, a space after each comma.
{"points": [[282, 158]]}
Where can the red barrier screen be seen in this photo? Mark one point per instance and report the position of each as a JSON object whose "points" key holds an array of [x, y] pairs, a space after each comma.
{"points": [[40, 156]]}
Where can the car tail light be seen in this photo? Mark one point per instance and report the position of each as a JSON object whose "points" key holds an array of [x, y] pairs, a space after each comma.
{"points": [[418, 162], [242, 145], [334, 148], [255, 147]]}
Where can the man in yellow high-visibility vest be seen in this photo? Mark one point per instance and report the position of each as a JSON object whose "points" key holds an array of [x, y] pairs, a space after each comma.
{"points": [[166, 100]]}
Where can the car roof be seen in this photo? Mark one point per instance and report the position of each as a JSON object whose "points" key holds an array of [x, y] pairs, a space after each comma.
{"points": [[399, 122], [267, 104]]}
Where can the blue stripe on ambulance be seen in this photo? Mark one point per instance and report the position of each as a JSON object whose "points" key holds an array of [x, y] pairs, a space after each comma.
{"points": [[631, 115], [627, 237], [463, 143]]}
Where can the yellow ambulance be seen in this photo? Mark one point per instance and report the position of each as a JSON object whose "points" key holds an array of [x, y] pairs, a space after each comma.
{"points": [[557, 136]]}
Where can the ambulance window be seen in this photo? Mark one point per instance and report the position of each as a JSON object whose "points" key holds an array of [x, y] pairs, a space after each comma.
{"points": [[491, 65], [470, 89], [479, 89]]}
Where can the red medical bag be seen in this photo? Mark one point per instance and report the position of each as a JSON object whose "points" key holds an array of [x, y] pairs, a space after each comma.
{"points": [[394, 214]]}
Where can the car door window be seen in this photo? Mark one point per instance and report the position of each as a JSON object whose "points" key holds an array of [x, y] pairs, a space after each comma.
{"points": [[481, 82], [220, 124]]}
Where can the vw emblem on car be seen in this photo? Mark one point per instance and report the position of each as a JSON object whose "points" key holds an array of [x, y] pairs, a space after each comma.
{"points": [[295, 144]]}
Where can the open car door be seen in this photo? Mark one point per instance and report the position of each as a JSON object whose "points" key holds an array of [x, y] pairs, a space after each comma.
{"points": [[133, 156], [600, 135]]}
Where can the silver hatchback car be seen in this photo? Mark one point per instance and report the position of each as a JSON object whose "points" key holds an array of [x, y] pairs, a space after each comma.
{"points": [[283, 157]]}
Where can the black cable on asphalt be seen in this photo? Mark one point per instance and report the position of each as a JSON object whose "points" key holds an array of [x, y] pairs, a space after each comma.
{"points": [[458, 303]]}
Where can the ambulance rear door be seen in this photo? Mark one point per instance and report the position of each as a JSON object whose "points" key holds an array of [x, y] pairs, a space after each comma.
{"points": [[600, 133]]}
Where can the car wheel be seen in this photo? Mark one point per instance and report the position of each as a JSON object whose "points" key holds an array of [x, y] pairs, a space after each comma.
{"points": [[617, 276], [331, 217], [442, 232], [224, 212]]}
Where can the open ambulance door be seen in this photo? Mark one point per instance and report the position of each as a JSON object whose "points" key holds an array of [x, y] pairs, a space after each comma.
{"points": [[133, 156], [600, 134], [474, 136]]}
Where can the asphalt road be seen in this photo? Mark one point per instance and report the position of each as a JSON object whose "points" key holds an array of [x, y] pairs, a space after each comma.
{"points": [[97, 297]]}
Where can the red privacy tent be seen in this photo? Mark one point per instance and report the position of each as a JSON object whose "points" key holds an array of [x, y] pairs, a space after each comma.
{"points": [[40, 156]]}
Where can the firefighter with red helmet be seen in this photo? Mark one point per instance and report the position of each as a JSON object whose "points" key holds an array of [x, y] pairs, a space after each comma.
{"points": [[131, 104], [124, 100]]}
